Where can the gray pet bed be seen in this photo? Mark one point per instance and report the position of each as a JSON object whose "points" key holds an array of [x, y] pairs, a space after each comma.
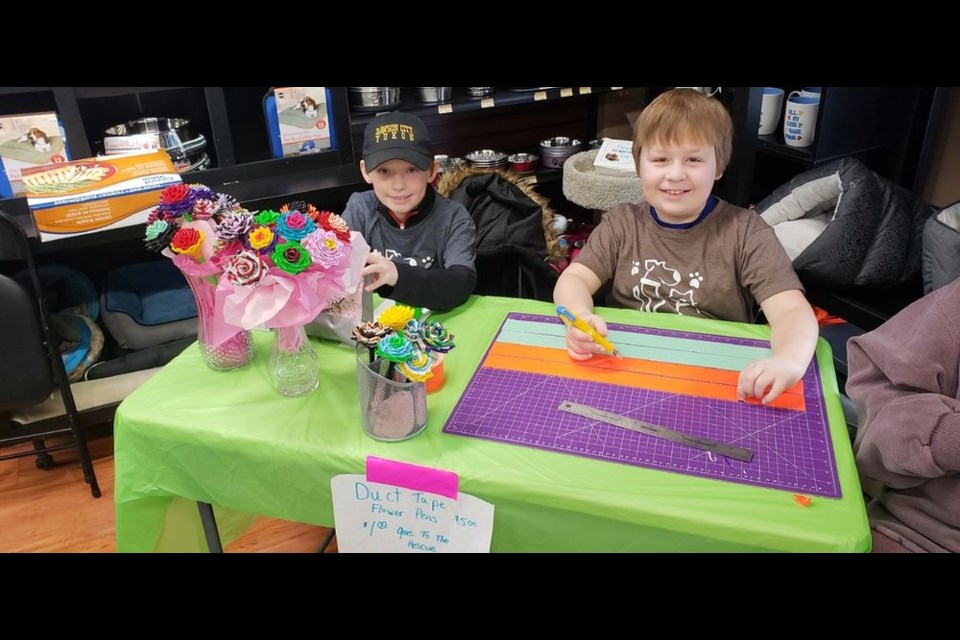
{"points": [[582, 184]]}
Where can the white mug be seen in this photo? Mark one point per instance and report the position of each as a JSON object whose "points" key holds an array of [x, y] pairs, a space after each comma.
{"points": [[707, 91], [770, 110], [811, 92], [800, 120]]}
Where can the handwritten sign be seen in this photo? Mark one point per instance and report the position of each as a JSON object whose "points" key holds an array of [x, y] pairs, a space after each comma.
{"points": [[380, 518]]}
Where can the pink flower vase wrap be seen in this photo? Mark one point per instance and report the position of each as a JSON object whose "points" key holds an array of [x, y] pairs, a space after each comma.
{"points": [[221, 346], [282, 271], [183, 227]]}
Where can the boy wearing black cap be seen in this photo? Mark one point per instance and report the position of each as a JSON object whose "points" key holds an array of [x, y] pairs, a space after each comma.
{"points": [[425, 244]]}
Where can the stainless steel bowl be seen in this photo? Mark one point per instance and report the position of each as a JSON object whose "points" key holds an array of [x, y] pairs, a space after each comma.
{"points": [[176, 137], [374, 98], [432, 95], [448, 163], [523, 162], [555, 151], [487, 158], [180, 126], [479, 92]]}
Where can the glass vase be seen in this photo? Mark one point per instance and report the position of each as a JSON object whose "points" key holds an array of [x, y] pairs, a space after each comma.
{"points": [[294, 365], [233, 352]]}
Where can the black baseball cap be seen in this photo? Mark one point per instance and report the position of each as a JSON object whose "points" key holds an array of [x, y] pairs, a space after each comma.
{"points": [[397, 136]]}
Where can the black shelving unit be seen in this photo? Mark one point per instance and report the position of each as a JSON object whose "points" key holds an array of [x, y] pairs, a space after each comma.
{"points": [[889, 128], [231, 119], [507, 120], [893, 130], [463, 103], [232, 122]]}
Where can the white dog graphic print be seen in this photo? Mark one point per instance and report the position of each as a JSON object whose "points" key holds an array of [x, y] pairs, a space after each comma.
{"points": [[426, 262], [657, 288]]}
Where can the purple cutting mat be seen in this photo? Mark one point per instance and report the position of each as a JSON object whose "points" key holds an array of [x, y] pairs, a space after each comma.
{"points": [[791, 449]]}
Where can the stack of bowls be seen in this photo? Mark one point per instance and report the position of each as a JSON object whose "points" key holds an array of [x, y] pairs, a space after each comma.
{"points": [[487, 159], [185, 148]]}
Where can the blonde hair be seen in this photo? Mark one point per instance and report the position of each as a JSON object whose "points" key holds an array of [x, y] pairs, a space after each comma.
{"points": [[685, 115]]}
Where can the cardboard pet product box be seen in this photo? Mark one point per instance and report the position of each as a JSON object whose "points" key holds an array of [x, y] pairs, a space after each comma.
{"points": [[87, 196], [304, 119], [28, 140]]}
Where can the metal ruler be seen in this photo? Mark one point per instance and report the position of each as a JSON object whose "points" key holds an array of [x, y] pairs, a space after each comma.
{"points": [[704, 444]]}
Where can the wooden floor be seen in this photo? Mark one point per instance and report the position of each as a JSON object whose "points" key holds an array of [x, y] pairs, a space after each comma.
{"points": [[53, 510]]}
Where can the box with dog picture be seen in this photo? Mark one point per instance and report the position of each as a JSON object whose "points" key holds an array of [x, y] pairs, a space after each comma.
{"points": [[28, 140], [304, 119]]}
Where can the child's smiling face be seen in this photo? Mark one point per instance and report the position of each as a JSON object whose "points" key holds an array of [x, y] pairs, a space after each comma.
{"points": [[678, 178], [399, 185]]}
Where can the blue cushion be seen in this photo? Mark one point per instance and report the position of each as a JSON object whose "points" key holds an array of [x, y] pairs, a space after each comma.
{"points": [[151, 293]]}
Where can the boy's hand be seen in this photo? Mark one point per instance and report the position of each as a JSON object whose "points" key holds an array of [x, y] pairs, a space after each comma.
{"points": [[381, 271], [772, 376], [580, 345]]}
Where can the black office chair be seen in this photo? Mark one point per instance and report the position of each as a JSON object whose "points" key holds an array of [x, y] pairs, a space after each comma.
{"points": [[32, 368]]}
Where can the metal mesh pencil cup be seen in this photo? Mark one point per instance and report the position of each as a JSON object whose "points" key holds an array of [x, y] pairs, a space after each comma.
{"points": [[392, 411]]}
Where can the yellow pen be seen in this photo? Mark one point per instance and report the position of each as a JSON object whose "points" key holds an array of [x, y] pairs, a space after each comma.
{"points": [[571, 318]]}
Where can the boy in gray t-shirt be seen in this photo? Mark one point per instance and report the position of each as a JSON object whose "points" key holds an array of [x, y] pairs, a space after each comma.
{"points": [[424, 244]]}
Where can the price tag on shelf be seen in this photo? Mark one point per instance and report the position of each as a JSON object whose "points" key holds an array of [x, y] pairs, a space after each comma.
{"points": [[585, 90], [445, 108], [566, 93], [486, 103], [539, 95], [615, 88]]}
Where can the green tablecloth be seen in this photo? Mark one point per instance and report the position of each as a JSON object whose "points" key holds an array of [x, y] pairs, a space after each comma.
{"points": [[228, 438]]}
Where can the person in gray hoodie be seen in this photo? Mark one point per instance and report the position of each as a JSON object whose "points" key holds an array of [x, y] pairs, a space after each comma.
{"points": [[424, 245], [904, 377]]}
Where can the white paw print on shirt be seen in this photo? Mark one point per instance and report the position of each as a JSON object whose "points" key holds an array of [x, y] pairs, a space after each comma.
{"points": [[426, 262], [695, 280], [636, 268]]}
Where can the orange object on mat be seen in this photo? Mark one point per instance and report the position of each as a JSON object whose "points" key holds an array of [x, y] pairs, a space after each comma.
{"points": [[824, 319], [435, 382]]}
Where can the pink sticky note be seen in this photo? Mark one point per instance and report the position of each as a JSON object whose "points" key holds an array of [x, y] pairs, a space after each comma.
{"points": [[412, 476]]}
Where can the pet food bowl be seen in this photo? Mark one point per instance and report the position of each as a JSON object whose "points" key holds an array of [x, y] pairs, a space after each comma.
{"points": [[595, 144], [555, 151], [172, 131], [523, 162], [177, 138], [479, 92], [448, 163], [374, 98], [487, 159], [433, 95]]}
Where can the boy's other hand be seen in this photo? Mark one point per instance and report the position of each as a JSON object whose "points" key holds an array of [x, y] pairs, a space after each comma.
{"points": [[382, 271], [770, 376], [580, 345]]}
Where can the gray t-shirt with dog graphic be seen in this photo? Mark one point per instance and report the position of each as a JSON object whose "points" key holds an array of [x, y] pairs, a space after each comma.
{"points": [[716, 269]]}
